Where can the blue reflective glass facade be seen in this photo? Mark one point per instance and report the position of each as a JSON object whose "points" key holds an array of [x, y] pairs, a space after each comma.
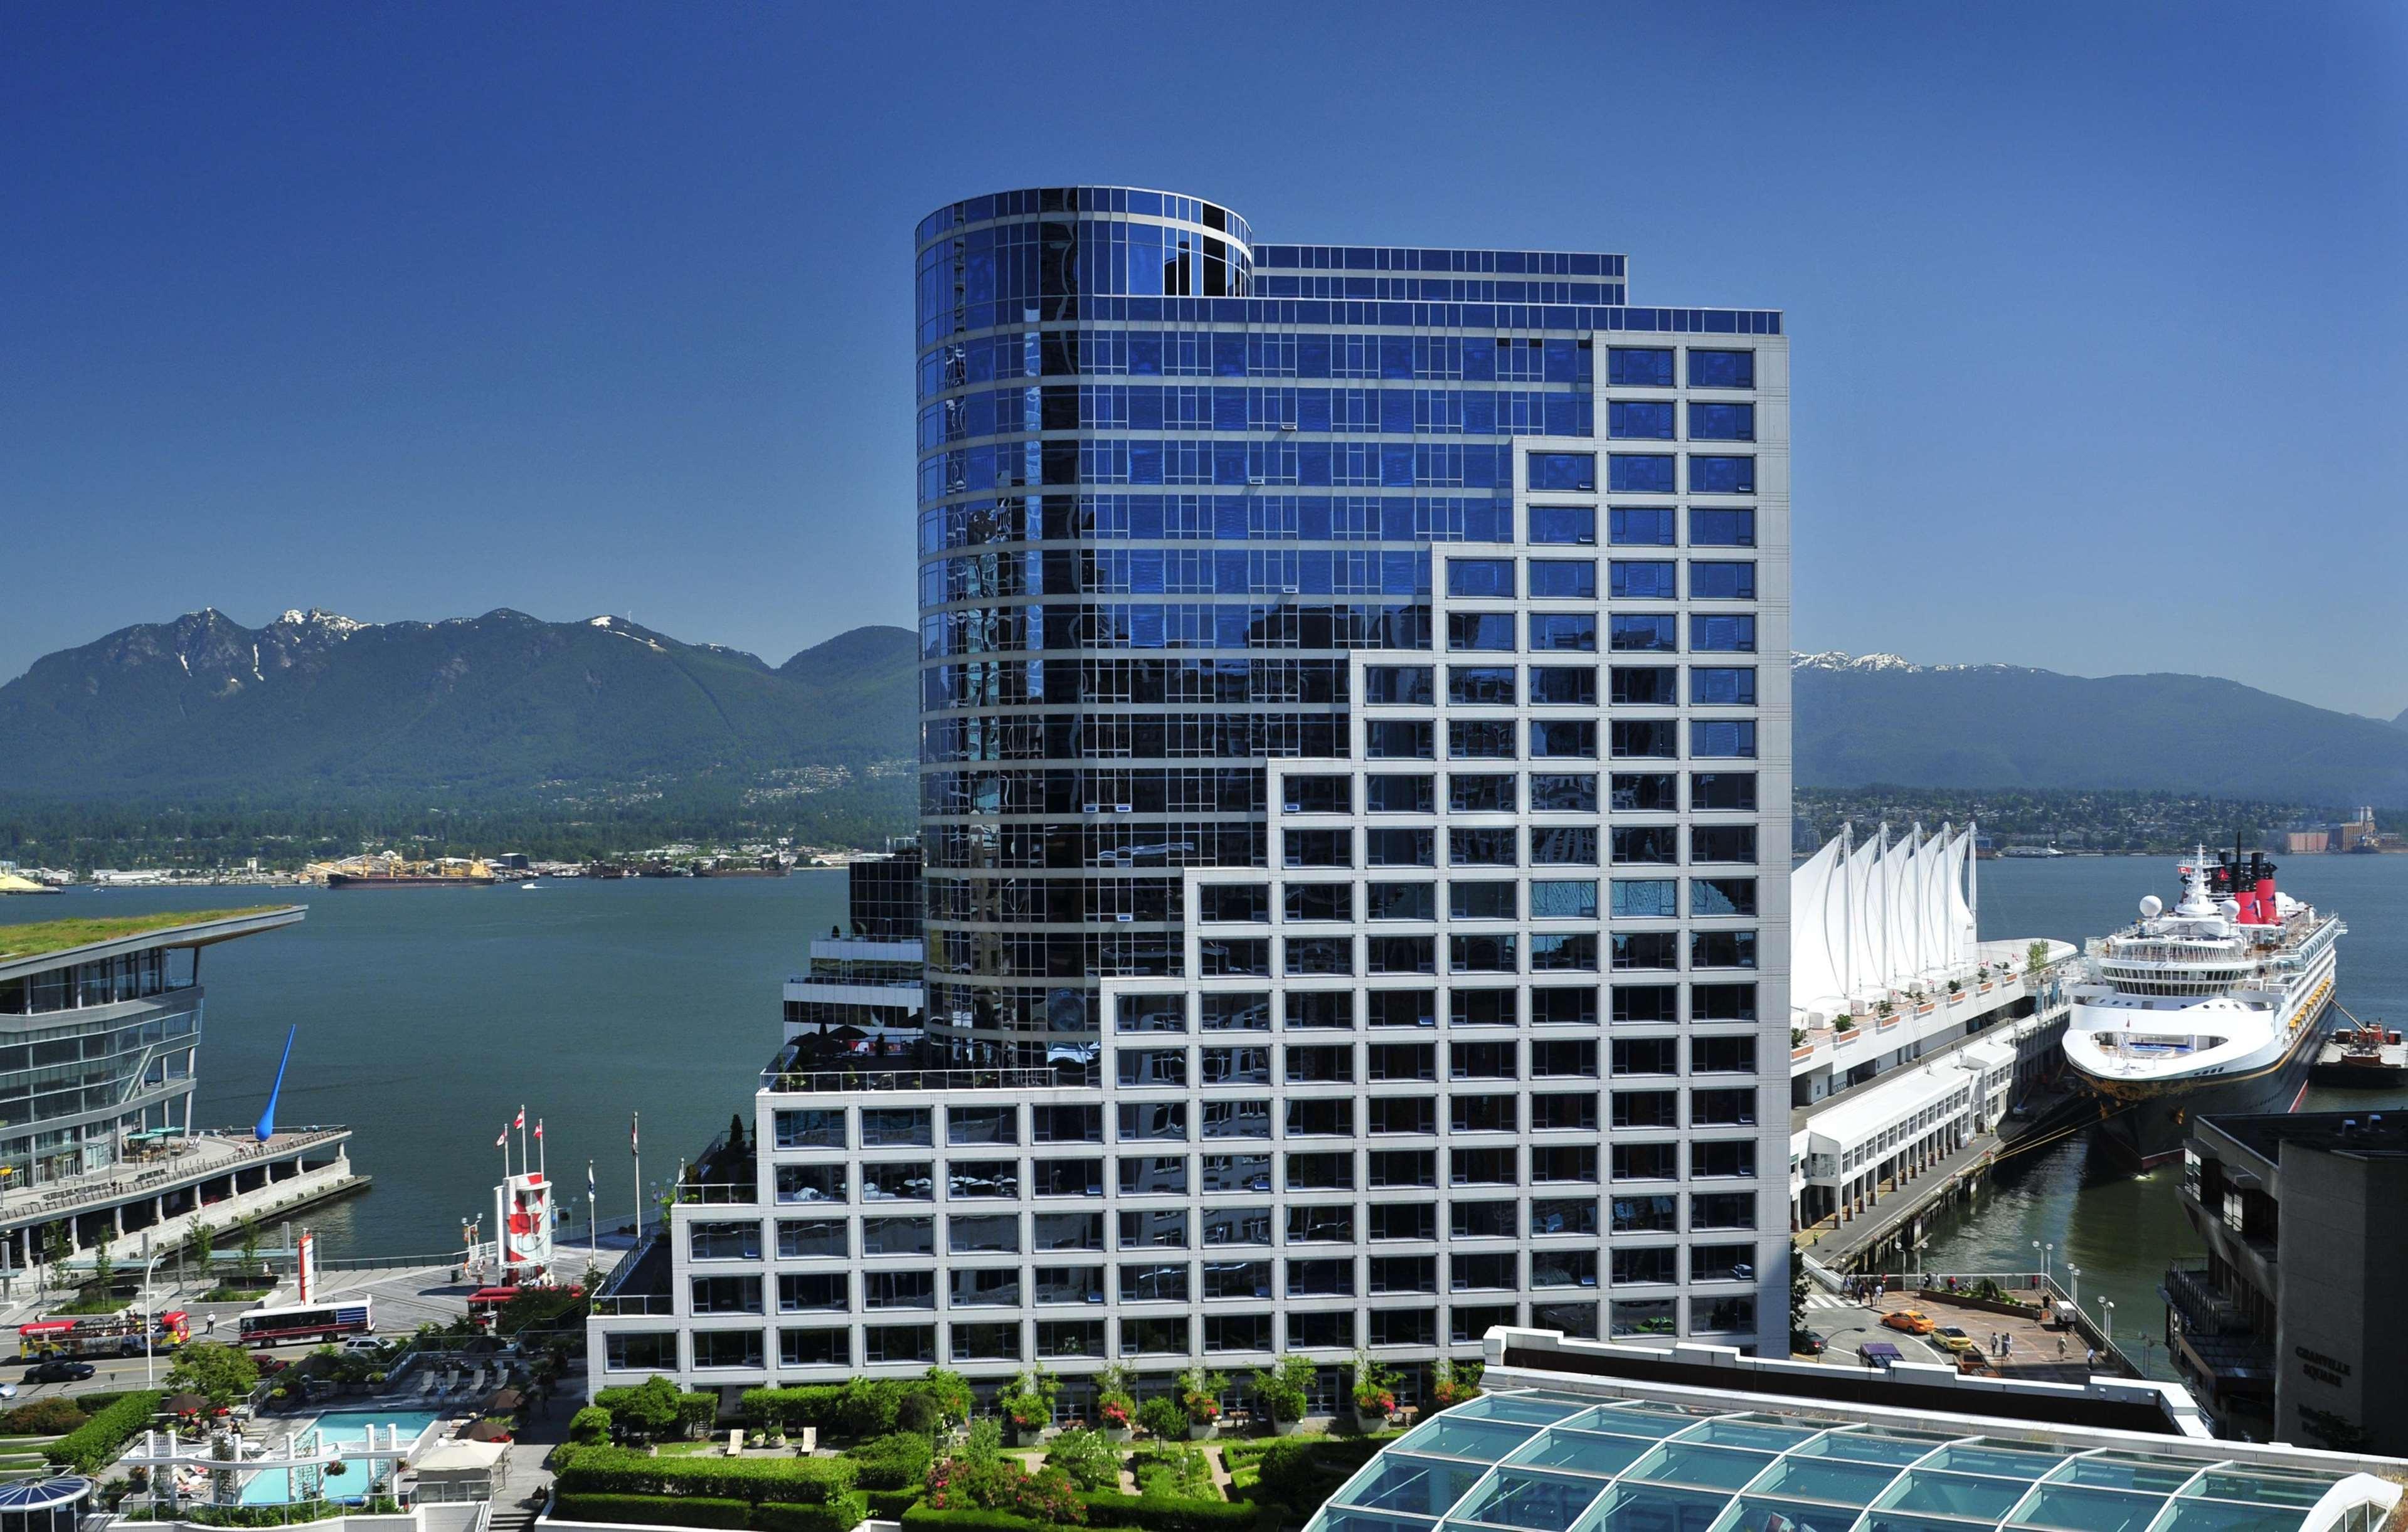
{"points": [[1169, 478]]}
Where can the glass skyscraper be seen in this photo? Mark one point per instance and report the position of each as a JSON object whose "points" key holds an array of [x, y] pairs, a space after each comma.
{"points": [[1354, 804]]}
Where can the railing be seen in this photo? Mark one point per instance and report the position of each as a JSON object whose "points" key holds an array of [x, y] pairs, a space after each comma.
{"points": [[225, 1153], [2194, 1294], [806, 1081], [717, 1192], [635, 1305]]}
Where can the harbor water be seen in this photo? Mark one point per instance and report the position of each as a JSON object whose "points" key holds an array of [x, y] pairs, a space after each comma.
{"points": [[426, 1017]]}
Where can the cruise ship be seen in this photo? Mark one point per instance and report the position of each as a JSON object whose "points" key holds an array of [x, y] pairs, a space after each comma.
{"points": [[2208, 1009]]}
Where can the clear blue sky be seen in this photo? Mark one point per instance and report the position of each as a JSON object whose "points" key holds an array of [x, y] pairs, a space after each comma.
{"points": [[412, 311]]}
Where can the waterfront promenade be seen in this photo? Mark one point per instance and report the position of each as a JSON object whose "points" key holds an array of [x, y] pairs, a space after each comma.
{"points": [[2035, 1352]]}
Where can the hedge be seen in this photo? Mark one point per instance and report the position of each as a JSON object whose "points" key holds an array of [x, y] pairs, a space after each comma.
{"points": [[1168, 1513], [93, 1445], [662, 1509], [888, 1504], [1303, 1471], [841, 1513], [863, 1407], [616, 1470], [969, 1519], [898, 1461]]}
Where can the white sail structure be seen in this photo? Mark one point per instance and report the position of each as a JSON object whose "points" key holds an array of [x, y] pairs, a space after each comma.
{"points": [[1868, 919]]}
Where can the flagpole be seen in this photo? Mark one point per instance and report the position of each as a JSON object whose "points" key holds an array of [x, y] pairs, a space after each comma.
{"points": [[592, 1217], [523, 1156], [541, 1159], [635, 1147]]}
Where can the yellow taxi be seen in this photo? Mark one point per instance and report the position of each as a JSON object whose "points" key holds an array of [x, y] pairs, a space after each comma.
{"points": [[1912, 1320], [1953, 1338]]}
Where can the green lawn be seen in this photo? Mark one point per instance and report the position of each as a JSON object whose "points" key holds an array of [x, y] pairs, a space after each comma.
{"points": [[42, 937]]}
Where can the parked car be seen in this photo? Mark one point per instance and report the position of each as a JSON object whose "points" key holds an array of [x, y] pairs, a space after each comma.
{"points": [[1912, 1320], [58, 1370], [363, 1343], [1953, 1338]]}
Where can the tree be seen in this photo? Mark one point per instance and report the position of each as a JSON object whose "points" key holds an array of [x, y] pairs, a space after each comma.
{"points": [[104, 1270], [736, 1132], [250, 1267], [648, 1411], [1091, 1462], [204, 1244], [1163, 1417], [221, 1374], [1799, 1287], [55, 1248], [2036, 957]]}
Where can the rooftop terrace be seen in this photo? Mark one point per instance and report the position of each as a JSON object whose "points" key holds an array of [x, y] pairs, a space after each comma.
{"points": [[195, 928]]}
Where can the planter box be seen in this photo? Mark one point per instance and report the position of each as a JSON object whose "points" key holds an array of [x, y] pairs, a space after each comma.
{"points": [[1283, 1428], [1200, 1430], [1367, 1425], [1118, 1433], [1805, 1053]]}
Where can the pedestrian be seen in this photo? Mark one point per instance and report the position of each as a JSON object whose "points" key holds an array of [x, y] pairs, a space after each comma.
{"points": [[2061, 1348], [2091, 1360], [2006, 1342]]}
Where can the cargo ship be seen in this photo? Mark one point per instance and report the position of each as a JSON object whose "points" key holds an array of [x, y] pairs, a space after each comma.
{"points": [[444, 872], [2209, 1008]]}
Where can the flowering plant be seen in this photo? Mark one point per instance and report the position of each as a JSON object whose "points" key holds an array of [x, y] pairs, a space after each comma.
{"points": [[1117, 1410]]}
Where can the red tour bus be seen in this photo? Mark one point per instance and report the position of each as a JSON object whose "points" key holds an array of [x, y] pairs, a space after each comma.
{"points": [[103, 1334]]}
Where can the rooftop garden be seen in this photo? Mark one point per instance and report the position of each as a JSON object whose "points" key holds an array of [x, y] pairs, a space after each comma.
{"points": [[39, 938]]}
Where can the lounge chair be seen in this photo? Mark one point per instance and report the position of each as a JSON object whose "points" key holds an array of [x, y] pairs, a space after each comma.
{"points": [[808, 1441], [736, 1442]]}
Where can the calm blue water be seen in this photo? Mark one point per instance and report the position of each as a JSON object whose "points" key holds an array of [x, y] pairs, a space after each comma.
{"points": [[427, 1017], [351, 1427]]}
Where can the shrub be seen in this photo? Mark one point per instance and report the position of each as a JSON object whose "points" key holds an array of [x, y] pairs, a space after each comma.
{"points": [[798, 1481], [919, 1412], [43, 1418], [1163, 1416], [1091, 1462], [1028, 1402], [1178, 1472], [899, 1460], [923, 1518], [590, 1427], [1282, 1391], [92, 1446], [1169, 1513], [659, 1509], [889, 1504], [840, 1515], [997, 1483], [648, 1411], [1303, 1471], [1451, 1383]]}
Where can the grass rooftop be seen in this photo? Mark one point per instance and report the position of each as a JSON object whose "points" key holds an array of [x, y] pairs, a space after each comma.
{"points": [[39, 938]]}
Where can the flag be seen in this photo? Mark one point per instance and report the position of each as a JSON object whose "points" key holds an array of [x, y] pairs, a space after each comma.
{"points": [[522, 1122], [502, 1139], [633, 1123], [538, 1128], [589, 1178]]}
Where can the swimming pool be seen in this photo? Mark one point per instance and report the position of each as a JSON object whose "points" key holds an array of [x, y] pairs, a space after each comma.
{"points": [[343, 1427]]}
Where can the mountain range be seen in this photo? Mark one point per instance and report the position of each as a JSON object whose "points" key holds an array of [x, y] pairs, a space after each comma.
{"points": [[317, 708], [322, 707]]}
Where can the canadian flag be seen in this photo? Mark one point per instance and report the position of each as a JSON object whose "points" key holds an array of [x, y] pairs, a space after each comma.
{"points": [[502, 1137], [522, 1118], [538, 1128]]}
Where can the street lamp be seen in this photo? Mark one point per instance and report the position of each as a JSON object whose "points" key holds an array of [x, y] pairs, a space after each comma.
{"points": [[2045, 1252], [2075, 1272], [2107, 1319], [149, 1263]]}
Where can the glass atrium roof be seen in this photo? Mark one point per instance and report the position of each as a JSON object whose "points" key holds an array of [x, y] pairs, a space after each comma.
{"points": [[1541, 1461]]}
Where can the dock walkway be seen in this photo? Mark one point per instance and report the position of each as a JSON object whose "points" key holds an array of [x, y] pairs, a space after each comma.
{"points": [[2035, 1353]]}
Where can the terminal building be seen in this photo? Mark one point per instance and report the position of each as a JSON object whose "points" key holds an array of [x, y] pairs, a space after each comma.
{"points": [[1354, 803], [1909, 1035], [2285, 1328], [99, 1048]]}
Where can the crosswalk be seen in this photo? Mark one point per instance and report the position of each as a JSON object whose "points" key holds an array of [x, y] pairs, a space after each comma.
{"points": [[1829, 1300]]}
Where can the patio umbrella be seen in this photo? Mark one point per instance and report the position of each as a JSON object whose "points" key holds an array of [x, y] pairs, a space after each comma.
{"points": [[186, 1404], [485, 1430], [505, 1401]]}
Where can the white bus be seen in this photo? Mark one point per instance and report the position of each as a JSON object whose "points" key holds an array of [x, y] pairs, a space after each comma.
{"points": [[306, 1322]]}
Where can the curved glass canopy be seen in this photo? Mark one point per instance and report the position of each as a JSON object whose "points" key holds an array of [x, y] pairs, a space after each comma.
{"points": [[1540, 1462]]}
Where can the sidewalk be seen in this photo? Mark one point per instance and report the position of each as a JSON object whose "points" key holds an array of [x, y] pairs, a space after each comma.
{"points": [[1896, 1202]]}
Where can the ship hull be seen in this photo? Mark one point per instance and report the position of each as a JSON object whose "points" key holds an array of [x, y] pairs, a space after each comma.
{"points": [[352, 880], [2151, 1130]]}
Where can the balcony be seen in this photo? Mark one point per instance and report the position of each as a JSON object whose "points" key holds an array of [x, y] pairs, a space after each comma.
{"points": [[812, 1065], [2191, 1290]]}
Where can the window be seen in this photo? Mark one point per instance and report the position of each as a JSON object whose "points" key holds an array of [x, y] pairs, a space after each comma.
{"points": [[1723, 1158], [991, 1234], [1732, 634], [1563, 1215], [1482, 1167], [801, 1239], [1556, 1004], [1482, 1114], [1636, 1267], [719, 1241], [1639, 526], [1158, 1228], [1634, 738], [1722, 475], [1480, 848], [1645, 686], [811, 1183], [1645, 1005], [1636, 473], [1234, 902], [1721, 369], [1722, 1263], [1236, 1067], [1722, 686], [899, 1237], [1480, 794], [899, 1344], [1636, 897], [1405, 739], [1571, 1163], [1639, 366], [642, 1350], [982, 1126], [1393, 1167], [1722, 1108], [1634, 950], [1318, 848], [1392, 685], [1631, 633], [1563, 579], [1552, 1059], [1646, 1108], [1396, 848], [1650, 580], [1399, 901], [1247, 957], [1480, 1220], [1069, 1178], [1722, 1055], [1403, 1061], [1562, 471], [1563, 899], [1563, 686], [1322, 1224], [1237, 1226], [1321, 1008], [1645, 419], [815, 1348], [1565, 793], [1644, 843], [1400, 954], [898, 1289], [1479, 739], [1482, 955], [1152, 1120], [1153, 1282], [1646, 1162], [1563, 1267], [1722, 895], [1389, 793], [1480, 685], [1320, 1118], [1311, 955], [1067, 1231], [1495, 1271], [1721, 528], [1321, 1279], [1563, 740], [1407, 1007], [1563, 526], [983, 1179], [1404, 1327], [726, 1348], [1722, 1002], [1717, 423], [1722, 738], [1148, 1013], [1143, 1175], [1721, 580], [1645, 791], [1480, 630], [1563, 633], [726, 1295], [986, 1342], [1404, 1274], [1320, 1173], [1722, 1210], [810, 1129], [1727, 790], [1152, 1067], [1319, 901], [1570, 951], [1237, 1332], [904, 1127], [1722, 843], [1320, 795], [814, 1292], [1071, 1337], [1646, 1214], [1645, 1056], [1326, 1328], [1239, 1172], [1153, 1337], [1237, 1011], [1479, 578], [1319, 1066]]}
